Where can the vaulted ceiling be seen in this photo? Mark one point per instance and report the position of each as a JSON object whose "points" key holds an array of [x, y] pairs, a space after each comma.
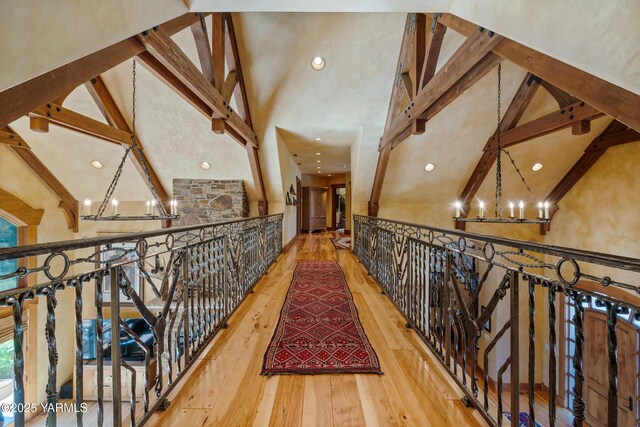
{"points": [[345, 104]]}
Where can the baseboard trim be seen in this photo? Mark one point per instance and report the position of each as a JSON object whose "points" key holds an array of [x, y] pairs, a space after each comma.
{"points": [[288, 246]]}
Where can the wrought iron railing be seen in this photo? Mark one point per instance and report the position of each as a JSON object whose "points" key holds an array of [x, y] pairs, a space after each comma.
{"points": [[197, 277], [539, 296]]}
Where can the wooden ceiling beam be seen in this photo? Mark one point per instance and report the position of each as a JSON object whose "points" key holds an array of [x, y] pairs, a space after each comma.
{"points": [[232, 56], [472, 51], [230, 84], [512, 116], [617, 102], [218, 58], [418, 59], [27, 96], [564, 99], [549, 123], [201, 37], [8, 137], [107, 105], [256, 172], [404, 59], [68, 203], [481, 69], [167, 52], [434, 44], [615, 134], [218, 49], [61, 116], [378, 180], [469, 63]]}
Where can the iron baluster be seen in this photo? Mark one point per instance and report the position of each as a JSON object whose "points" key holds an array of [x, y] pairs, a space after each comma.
{"points": [[552, 356], [18, 357], [52, 352], [79, 350], [116, 360], [447, 309], [186, 339], [501, 372], [99, 345], [612, 345], [514, 303], [577, 361], [532, 349], [487, 350], [132, 399]]}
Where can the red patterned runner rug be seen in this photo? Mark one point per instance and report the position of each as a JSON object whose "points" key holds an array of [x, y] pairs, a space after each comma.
{"points": [[319, 331]]}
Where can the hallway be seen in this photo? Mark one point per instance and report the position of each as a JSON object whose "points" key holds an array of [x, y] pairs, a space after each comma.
{"points": [[227, 388]]}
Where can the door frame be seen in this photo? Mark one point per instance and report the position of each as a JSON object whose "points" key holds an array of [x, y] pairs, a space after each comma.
{"points": [[299, 206], [334, 187]]}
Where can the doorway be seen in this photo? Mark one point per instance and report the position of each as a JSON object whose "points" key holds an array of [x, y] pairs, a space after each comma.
{"points": [[596, 363], [338, 206], [596, 366]]}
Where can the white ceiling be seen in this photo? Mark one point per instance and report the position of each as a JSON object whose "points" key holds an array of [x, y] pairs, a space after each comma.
{"points": [[319, 6]]}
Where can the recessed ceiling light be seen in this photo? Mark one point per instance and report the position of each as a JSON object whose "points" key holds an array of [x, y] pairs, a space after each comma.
{"points": [[429, 167], [345, 166], [317, 167], [318, 161], [317, 154], [537, 166], [318, 139], [318, 171], [205, 165], [96, 164], [329, 175], [318, 63]]}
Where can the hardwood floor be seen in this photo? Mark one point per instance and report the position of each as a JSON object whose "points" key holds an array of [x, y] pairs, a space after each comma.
{"points": [[227, 388]]}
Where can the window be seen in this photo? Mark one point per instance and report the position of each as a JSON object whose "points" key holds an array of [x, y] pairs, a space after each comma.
{"points": [[8, 238]]}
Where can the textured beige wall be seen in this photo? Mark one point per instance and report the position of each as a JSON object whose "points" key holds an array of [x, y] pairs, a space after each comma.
{"points": [[288, 173], [56, 33], [602, 211], [609, 30]]}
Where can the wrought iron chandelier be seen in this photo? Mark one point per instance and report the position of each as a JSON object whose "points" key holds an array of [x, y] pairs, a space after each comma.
{"points": [[155, 209], [543, 206]]}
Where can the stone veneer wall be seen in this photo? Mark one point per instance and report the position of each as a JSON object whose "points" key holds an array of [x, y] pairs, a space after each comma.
{"points": [[204, 200]]}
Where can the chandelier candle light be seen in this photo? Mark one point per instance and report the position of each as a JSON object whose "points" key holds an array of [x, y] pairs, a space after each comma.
{"points": [[543, 207], [151, 205]]}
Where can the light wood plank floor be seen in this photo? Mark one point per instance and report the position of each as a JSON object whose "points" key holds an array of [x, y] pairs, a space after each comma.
{"points": [[226, 388]]}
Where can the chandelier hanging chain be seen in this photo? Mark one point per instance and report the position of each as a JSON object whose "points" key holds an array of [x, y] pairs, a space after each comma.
{"points": [[543, 217], [136, 146], [498, 209], [133, 146], [513, 162]]}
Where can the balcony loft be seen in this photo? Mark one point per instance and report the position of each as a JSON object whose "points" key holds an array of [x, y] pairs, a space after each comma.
{"points": [[319, 212]]}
